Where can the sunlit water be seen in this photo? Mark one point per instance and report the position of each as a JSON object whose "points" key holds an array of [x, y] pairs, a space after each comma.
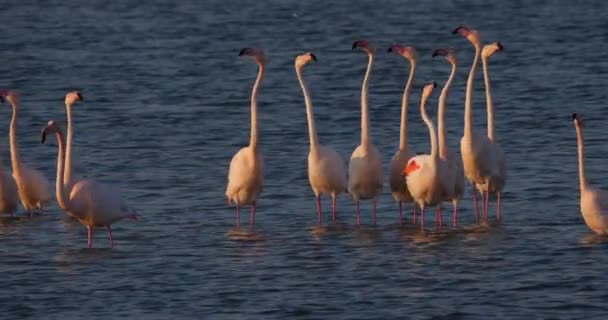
{"points": [[167, 105]]}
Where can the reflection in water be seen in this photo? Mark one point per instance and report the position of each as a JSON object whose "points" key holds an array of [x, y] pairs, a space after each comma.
{"points": [[591, 240]]}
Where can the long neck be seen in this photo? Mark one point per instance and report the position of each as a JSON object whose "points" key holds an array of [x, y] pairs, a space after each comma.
{"points": [[443, 147], [403, 143], [431, 127], [67, 176], [310, 116], [253, 142], [581, 158], [468, 103], [489, 101], [15, 159], [365, 134], [59, 186]]}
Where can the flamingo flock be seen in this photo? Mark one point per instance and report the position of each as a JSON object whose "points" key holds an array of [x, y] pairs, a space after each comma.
{"points": [[424, 180]]}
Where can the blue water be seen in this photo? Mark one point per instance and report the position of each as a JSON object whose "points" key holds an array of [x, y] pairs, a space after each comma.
{"points": [[167, 105]]}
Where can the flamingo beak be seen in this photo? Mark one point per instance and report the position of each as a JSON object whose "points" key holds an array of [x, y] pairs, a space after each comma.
{"points": [[43, 133]]}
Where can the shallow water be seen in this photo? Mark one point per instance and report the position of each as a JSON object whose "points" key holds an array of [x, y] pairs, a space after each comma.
{"points": [[166, 106]]}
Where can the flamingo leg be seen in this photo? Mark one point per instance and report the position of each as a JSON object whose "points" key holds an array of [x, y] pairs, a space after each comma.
{"points": [[374, 212], [333, 208], [437, 219], [319, 214], [252, 218], [422, 219], [440, 217], [475, 204], [498, 206], [400, 213], [358, 213], [90, 237], [486, 206], [110, 236], [414, 213], [455, 214], [238, 216]]}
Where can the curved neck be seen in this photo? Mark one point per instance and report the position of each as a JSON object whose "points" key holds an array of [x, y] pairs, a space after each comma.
{"points": [[443, 147], [431, 127], [581, 158], [403, 143], [365, 134], [15, 159], [253, 142], [489, 101], [310, 116], [67, 176], [468, 103], [62, 198]]}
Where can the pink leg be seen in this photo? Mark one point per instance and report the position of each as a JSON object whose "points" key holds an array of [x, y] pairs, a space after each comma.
{"points": [[486, 206], [238, 216], [110, 235], [440, 217], [414, 213], [422, 219], [374, 212], [498, 206], [252, 218], [437, 219], [475, 204], [400, 213], [319, 215], [333, 209], [455, 215], [90, 237], [358, 213]]}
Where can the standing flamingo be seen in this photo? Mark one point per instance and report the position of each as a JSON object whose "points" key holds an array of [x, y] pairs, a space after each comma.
{"points": [[246, 173], [496, 182], [454, 163], [401, 157], [593, 202], [426, 175], [477, 160], [365, 167], [326, 170], [33, 187], [93, 204], [69, 178], [9, 196]]}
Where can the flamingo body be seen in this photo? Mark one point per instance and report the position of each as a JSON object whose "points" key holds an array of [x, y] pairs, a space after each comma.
{"points": [[9, 196], [245, 177]]}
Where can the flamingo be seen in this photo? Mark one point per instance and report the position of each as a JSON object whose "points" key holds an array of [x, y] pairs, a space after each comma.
{"points": [[496, 182], [365, 167], [33, 187], [401, 157], [94, 204], [594, 202], [477, 158], [426, 175], [246, 173], [9, 196], [69, 178], [454, 163], [326, 170]]}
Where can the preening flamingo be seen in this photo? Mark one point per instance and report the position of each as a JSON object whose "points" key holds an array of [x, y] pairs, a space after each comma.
{"points": [[594, 202], [477, 159], [246, 173], [454, 162], [94, 204], [426, 175], [404, 154], [326, 169], [365, 167], [33, 187], [496, 182], [9, 196]]}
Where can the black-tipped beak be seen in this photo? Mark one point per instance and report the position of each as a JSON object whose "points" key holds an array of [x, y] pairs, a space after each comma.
{"points": [[574, 116], [242, 52], [314, 58], [80, 97], [43, 136], [499, 45], [355, 45], [390, 49], [434, 84], [1, 99], [457, 30]]}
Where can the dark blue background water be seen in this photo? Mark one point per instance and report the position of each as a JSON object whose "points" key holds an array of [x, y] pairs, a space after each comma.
{"points": [[166, 106]]}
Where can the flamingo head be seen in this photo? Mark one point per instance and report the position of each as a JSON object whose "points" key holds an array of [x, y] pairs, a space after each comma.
{"points": [[305, 58], [470, 34], [428, 89], [448, 53], [11, 96], [364, 45], [51, 127], [254, 53], [405, 51], [490, 49], [72, 97], [577, 119], [412, 166]]}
